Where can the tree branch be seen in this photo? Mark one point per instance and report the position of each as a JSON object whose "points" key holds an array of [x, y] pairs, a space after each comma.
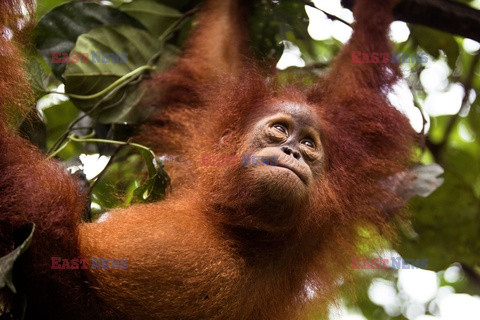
{"points": [[471, 274], [444, 15], [329, 15]]}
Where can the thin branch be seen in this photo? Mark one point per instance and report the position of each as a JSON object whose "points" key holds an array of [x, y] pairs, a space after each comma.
{"points": [[422, 134], [445, 15], [329, 15], [416, 104], [177, 23], [100, 175], [471, 274], [316, 65], [117, 85], [109, 95], [163, 37]]}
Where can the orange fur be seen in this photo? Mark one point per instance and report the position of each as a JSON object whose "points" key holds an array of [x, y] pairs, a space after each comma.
{"points": [[216, 249]]}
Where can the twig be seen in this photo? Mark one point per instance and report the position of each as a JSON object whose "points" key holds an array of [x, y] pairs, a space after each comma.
{"points": [[118, 84], [175, 25], [101, 173], [316, 65], [416, 104], [471, 274], [64, 136], [329, 15]]}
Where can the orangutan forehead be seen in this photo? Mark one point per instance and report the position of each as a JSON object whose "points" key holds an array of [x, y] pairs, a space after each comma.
{"points": [[299, 112]]}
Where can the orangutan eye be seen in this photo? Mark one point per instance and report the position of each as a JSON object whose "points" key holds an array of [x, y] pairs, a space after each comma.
{"points": [[281, 128], [309, 143]]}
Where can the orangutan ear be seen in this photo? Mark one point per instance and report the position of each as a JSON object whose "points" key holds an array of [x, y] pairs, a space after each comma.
{"points": [[226, 138]]}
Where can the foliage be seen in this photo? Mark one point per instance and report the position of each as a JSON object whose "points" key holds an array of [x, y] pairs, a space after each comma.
{"points": [[11, 301]]}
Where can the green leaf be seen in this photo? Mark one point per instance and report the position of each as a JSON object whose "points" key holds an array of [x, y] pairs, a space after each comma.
{"points": [[155, 187], [38, 76], [274, 22], [156, 17], [59, 29], [437, 219], [434, 42], [264, 29], [45, 6], [119, 180], [149, 161], [7, 261], [57, 119], [136, 47]]}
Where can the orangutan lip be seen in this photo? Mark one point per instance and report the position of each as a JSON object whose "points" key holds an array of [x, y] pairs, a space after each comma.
{"points": [[285, 166]]}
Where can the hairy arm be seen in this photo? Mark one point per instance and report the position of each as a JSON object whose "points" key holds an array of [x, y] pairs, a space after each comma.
{"points": [[215, 50], [218, 44], [369, 39], [35, 189]]}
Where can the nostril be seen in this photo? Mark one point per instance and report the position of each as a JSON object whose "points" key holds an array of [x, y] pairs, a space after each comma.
{"points": [[291, 152], [287, 150]]}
